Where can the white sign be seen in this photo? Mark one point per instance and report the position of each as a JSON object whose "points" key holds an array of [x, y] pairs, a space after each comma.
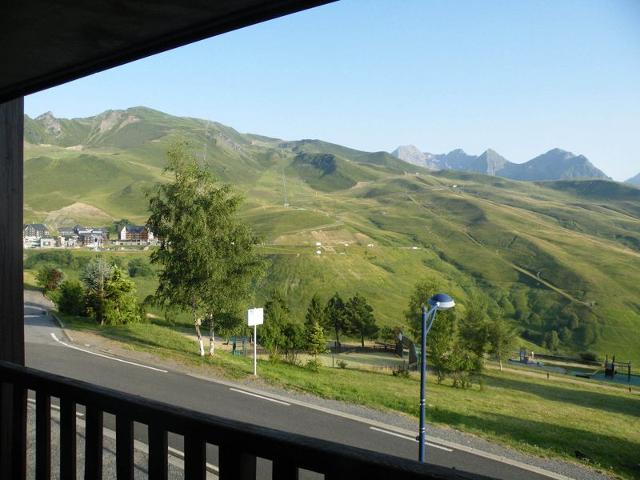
{"points": [[255, 316]]}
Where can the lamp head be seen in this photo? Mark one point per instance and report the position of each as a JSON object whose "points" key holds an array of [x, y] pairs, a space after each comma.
{"points": [[442, 301]]}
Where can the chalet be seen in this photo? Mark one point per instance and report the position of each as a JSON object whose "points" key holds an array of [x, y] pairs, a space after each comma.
{"points": [[136, 233], [35, 230], [32, 233]]}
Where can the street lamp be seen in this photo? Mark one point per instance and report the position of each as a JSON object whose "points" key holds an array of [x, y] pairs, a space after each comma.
{"points": [[440, 301]]}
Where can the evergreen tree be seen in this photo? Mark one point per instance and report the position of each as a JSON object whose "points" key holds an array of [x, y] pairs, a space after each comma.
{"points": [[95, 276], [315, 313], [121, 300], [360, 319], [276, 318], [207, 256], [70, 298], [334, 317], [316, 343]]}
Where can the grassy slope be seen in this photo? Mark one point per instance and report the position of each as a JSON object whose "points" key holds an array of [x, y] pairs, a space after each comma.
{"points": [[548, 418], [545, 249]]}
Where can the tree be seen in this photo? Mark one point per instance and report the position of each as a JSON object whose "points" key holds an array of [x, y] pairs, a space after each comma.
{"points": [[121, 300], [110, 297], [316, 343], [334, 316], [315, 314], [139, 267], [95, 275], [70, 298], [552, 340], [444, 332], [360, 319], [501, 339], [207, 256], [49, 278], [119, 225], [276, 318], [474, 326]]}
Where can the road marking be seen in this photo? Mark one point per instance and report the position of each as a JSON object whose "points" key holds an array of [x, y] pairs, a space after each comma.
{"points": [[261, 396], [412, 439], [53, 335], [33, 316], [454, 445]]}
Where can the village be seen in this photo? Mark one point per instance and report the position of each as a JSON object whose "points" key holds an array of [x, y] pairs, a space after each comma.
{"points": [[38, 235]]}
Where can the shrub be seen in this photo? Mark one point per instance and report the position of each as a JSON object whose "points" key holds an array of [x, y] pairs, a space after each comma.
{"points": [[139, 267], [589, 356], [313, 365], [401, 371], [342, 364], [70, 298], [49, 278]]}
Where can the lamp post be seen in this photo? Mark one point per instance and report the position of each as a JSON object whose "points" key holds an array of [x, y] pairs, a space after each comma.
{"points": [[440, 301]]}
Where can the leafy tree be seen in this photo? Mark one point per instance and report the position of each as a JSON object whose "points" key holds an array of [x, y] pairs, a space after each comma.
{"points": [[501, 339], [552, 340], [49, 278], [335, 316], [444, 333], [207, 256], [565, 334], [139, 267], [119, 225], [95, 277], [70, 298], [360, 319], [474, 326]]}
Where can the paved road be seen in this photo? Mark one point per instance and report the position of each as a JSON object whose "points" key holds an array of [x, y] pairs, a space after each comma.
{"points": [[59, 356]]}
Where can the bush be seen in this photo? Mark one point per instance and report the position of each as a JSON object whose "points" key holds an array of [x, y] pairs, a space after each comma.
{"points": [[401, 371], [342, 364], [589, 356], [70, 298], [49, 278], [139, 267], [313, 365]]}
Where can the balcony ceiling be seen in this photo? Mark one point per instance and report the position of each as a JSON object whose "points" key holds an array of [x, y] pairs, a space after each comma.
{"points": [[44, 43]]}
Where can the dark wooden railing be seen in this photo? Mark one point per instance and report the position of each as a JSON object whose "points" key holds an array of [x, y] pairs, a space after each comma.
{"points": [[239, 444]]}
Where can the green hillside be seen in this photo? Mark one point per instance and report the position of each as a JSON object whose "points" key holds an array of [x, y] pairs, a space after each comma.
{"points": [[561, 256]]}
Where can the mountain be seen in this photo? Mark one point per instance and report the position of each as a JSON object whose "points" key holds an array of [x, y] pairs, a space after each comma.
{"points": [[634, 180], [548, 255], [556, 164]]}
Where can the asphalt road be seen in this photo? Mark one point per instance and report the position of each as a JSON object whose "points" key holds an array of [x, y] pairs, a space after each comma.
{"points": [[47, 349]]}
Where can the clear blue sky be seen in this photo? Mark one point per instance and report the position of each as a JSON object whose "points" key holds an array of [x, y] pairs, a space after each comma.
{"points": [[520, 77]]}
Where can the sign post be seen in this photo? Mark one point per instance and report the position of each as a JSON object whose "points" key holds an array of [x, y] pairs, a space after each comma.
{"points": [[255, 317]]}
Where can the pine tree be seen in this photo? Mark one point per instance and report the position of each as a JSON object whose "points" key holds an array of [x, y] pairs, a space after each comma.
{"points": [[334, 316], [360, 319]]}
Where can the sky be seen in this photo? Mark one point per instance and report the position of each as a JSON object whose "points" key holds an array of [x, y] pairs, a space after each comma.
{"points": [[520, 77]]}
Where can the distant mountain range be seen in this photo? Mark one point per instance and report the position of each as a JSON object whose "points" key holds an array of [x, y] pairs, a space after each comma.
{"points": [[634, 180], [556, 164]]}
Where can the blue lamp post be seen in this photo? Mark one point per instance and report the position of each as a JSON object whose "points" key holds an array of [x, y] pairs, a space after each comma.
{"points": [[440, 301]]}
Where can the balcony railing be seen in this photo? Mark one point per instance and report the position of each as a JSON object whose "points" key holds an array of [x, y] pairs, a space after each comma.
{"points": [[239, 444]]}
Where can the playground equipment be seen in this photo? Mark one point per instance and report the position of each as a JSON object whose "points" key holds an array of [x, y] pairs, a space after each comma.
{"points": [[402, 342], [611, 368]]}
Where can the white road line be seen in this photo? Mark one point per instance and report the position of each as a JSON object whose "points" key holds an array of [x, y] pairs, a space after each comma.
{"points": [[33, 316], [367, 421], [260, 396], [53, 335], [412, 439]]}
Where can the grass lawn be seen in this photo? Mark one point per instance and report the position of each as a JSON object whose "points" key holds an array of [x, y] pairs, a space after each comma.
{"points": [[543, 417]]}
